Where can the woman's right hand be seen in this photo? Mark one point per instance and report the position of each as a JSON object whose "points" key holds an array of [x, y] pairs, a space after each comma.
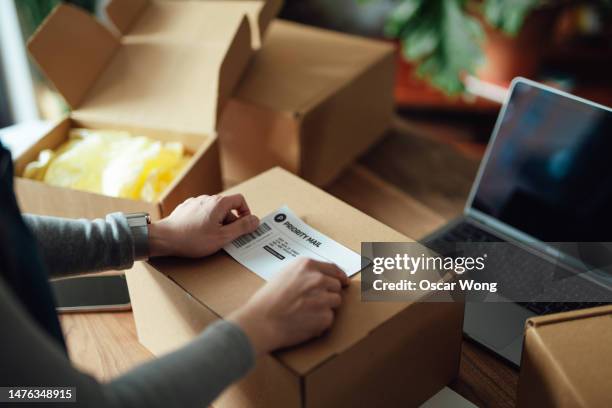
{"points": [[296, 305]]}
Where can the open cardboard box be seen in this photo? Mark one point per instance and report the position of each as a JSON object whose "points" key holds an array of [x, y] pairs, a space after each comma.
{"points": [[166, 77], [377, 354], [200, 176], [311, 101], [165, 15], [567, 360]]}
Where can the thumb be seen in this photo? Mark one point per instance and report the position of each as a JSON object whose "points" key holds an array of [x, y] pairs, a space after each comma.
{"points": [[241, 226]]}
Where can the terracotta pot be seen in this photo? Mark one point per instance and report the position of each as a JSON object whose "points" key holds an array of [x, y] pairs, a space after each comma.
{"points": [[508, 57]]}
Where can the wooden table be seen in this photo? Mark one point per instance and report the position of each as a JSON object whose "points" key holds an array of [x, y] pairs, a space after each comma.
{"points": [[414, 184]]}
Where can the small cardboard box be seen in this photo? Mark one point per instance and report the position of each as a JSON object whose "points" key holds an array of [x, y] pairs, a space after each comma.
{"points": [[376, 354], [567, 360], [311, 101], [165, 77]]}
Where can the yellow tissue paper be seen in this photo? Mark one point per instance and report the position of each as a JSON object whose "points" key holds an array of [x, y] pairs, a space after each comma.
{"points": [[109, 162]]}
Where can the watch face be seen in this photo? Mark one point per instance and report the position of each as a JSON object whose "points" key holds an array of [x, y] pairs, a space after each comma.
{"points": [[137, 219]]}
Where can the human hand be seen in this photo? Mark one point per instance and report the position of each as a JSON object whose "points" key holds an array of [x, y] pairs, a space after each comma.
{"points": [[201, 226], [293, 307]]}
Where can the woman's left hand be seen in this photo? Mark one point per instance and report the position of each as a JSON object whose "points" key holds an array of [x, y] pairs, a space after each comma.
{"points": [[201, 226]]}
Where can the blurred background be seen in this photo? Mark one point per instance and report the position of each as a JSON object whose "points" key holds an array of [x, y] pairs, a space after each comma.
{"points": [[455, 59], [453, 56]]}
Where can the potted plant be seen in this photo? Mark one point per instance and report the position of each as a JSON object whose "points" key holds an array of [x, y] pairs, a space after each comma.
{"points": [[495, 39]]}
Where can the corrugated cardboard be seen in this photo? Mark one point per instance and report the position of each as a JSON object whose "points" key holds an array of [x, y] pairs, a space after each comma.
{"points": [[311, 101], [166, 77], [126, 16], [567, 360], [377, 354]]}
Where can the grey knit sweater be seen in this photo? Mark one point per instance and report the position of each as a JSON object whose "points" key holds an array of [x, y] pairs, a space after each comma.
{"points": [[190, 377]]}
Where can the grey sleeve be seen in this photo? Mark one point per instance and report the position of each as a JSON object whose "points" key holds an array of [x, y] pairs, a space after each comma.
{"points": [[70, 246], [193, 376]]}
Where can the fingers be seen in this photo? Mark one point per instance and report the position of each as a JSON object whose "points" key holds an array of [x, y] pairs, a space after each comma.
{"points": [[235, 225], [324, 299], [240, 226], [329, 269], [326, 319], [331, 284], [319, 281], [227, 204], [229, 218]]}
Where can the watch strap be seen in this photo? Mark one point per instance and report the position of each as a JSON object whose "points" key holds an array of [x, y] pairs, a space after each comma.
{"points": [[138, 223]]}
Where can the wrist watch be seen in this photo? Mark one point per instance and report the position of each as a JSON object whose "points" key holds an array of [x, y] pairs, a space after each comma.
{"points": [[138, 223]]}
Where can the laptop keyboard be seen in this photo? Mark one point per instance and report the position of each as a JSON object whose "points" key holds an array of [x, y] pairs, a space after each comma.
{"points": [[542, 308], [506, 269], [465, 232]]}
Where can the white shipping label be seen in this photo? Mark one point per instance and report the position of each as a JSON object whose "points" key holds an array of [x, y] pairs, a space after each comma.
{"points": [[281, 238]]}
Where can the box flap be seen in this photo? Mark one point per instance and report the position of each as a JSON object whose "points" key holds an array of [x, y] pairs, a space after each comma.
{"points": [[267, 14], [72, 49], [260, 13], [63, 202], [174, 80], [170, 86], [223, 285], [573, 351], [179, 62], [306, 65], [123, 13], [567, 316]]}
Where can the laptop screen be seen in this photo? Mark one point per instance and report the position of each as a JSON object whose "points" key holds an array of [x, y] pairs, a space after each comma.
{"points": [[549, 170]]}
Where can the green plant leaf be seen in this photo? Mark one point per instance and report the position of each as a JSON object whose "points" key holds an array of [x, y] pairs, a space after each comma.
{"points": [[459, 51], [396, 20], [441, 38], [508, 16], [421, 41]]}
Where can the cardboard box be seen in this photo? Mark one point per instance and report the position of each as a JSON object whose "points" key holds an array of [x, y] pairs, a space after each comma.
{"points": [[376, 354], [166, 77], [124, 15], [311, 101], [567, 360]]}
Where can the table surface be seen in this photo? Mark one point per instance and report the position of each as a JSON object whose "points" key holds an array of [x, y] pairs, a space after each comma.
{"points": [[105, 344]]}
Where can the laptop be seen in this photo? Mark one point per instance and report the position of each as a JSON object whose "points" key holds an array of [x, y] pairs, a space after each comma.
{"points": [[546, 177]]}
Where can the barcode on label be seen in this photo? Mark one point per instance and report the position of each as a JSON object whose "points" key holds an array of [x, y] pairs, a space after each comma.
{"points": [[246, 238]]}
